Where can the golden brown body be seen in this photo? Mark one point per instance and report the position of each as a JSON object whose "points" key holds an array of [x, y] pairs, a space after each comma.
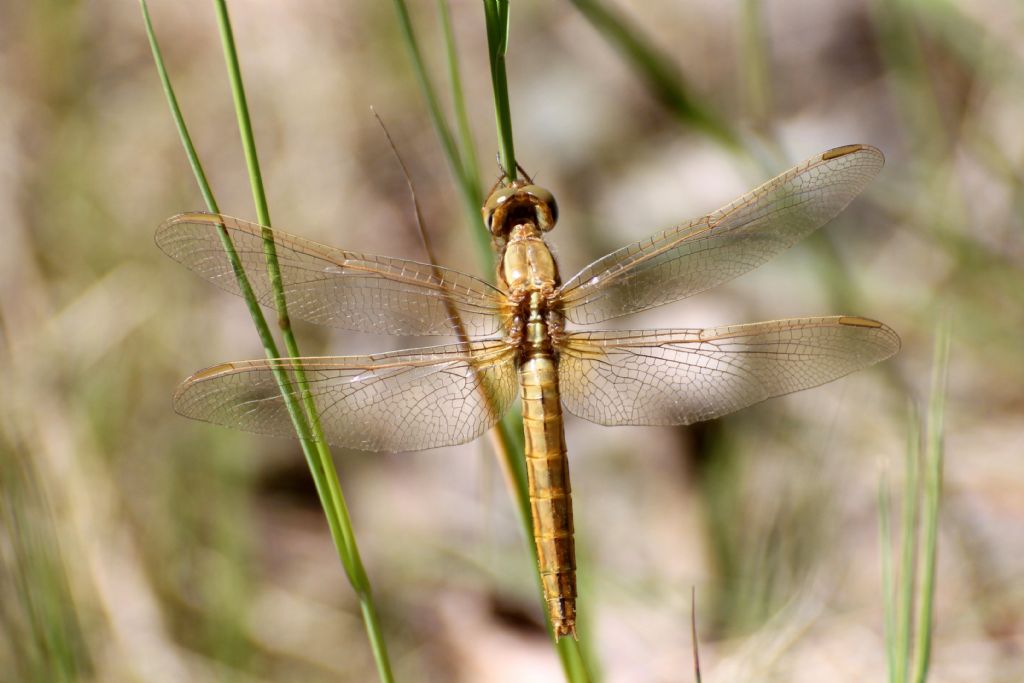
{"points": [[547, 467], [529, 275]]}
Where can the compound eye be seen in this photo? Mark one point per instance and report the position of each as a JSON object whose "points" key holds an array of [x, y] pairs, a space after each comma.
{"points": [[491, 206], [539, 192], [497, 198], [547, 207], [553, 206]]}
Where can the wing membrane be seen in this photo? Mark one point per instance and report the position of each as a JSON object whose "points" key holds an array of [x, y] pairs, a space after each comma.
{"points": [[329, 286], [672, 377], [398, 401], [720, 246]]}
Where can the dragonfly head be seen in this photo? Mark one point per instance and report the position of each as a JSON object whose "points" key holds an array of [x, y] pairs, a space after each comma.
{"points": [[520, 202]]}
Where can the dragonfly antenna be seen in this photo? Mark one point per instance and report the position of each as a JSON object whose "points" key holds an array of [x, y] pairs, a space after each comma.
{"points": [[526, 175], [504, 172]]}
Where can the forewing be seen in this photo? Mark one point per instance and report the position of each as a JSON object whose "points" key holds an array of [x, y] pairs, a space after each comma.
{"points": [[329, 286], [399, 401], [673, 377], [720, 246]]}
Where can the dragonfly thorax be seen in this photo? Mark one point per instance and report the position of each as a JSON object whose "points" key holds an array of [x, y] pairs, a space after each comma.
{"points": [[527, 264]]}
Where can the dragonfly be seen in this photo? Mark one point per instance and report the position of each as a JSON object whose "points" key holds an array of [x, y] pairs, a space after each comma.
{"points": [[519, 336]]}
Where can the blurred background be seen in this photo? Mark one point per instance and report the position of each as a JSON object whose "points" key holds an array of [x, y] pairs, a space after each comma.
{"points": [[138, 546]]}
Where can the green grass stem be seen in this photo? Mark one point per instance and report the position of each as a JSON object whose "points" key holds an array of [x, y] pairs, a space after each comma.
{"points": [[469, 188], [335, 508], [507, 435], [658, 70], [466, 144], [933, 465], [40, 621], [755, 60], [908, 548], [262, 329], [496, 14], [888, 598], [908, 610], [577, 666], [304, 417], [695, 644]]}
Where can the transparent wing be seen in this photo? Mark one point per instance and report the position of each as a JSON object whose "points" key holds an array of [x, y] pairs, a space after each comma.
{"points": [[720, 246], [672, 377], [329, 286], [399, 401]]}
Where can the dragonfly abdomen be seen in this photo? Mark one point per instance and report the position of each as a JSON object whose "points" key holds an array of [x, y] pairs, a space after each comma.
{"points": [[547, 468]]}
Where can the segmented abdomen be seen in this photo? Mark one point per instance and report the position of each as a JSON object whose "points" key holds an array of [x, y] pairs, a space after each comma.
{"points": [[550, 497]]}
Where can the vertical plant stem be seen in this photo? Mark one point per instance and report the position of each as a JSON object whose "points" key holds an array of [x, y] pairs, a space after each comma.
{"points": [[469, 190], [693, 634], [885, 550], [755, 59], [502, 439], [309, 433], [259, 321], [496, 13], [503, 435], [508, 446], [658, 70], [335, 507], [262, 329], [934, 455], [469, 166], [909, 643], [908, 552]]}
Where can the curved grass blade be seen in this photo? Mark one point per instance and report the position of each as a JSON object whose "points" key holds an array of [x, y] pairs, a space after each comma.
{"points": [[657, 69], [469, 165], [932, 493], [469, 188], [507, 438], [315, 450]]}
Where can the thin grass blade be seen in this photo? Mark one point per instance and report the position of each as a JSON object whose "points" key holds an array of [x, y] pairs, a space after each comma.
{"points": [[657, 69], [908, 550], [508, 447], [315, 450], [466, 144], [469, 188], [934, 456], [496, 15], [885, 550], [328, 486]]}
